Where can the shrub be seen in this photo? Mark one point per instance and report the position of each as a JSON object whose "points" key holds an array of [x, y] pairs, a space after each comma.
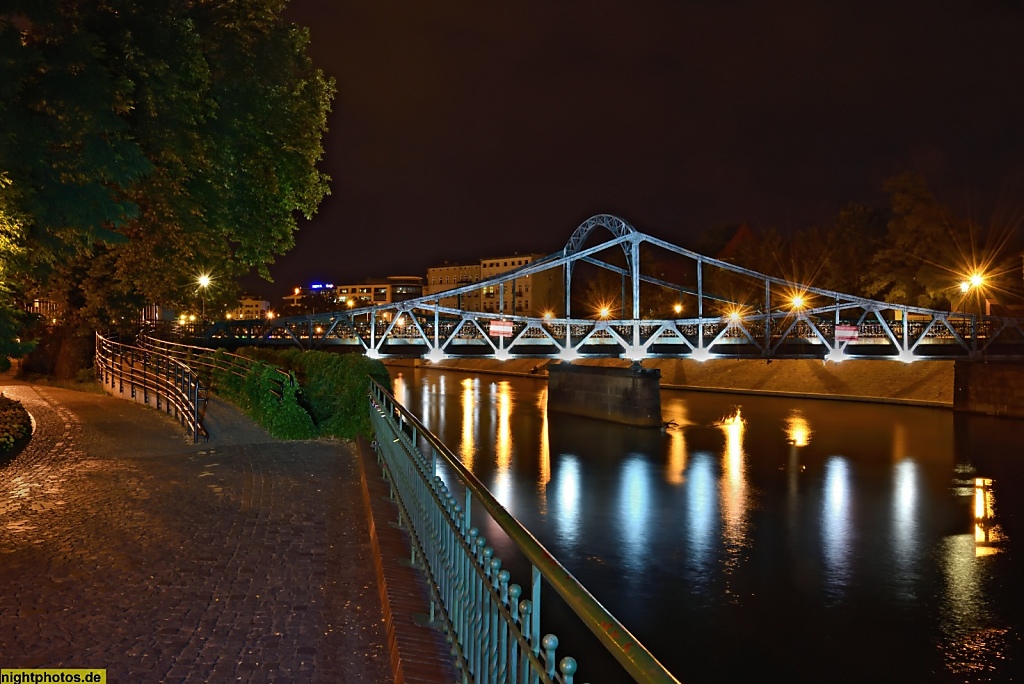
{"points": [[15, 423], [334, 386], [255, 393]]}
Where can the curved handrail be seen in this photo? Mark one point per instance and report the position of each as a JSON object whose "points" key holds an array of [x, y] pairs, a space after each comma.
{"points": [[211, 360], [125, 367]]}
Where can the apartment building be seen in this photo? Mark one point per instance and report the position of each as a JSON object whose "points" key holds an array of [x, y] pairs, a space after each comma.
{"points": [[530, 295]]}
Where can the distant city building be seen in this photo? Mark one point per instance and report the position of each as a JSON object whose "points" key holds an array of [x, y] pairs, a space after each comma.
{"points": [[370, 292], [250, 308], [373, 292], [530, 295]]}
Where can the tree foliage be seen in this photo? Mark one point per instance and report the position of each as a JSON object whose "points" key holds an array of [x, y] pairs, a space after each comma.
{"points": [[915, 251], [144, 143]]}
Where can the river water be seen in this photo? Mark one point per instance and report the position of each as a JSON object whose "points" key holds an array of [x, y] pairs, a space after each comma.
{"points": [[764, 538]]}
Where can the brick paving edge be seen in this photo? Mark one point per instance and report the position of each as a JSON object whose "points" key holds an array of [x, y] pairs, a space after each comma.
{"points": [[418, 653]]}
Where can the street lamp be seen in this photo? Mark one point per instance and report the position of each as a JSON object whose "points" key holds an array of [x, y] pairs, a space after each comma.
{"points": [[973, 282], [204, 282]]}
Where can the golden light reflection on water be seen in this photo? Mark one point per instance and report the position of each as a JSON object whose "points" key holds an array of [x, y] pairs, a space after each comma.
{"points": [[676, 466], [733, 486], [987, 534], [470, 411], [401, 390], [544, 450], [798, 430], [503, 440]]}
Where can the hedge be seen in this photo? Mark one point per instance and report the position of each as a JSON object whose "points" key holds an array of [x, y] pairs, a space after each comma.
{"points": [[15, 423], [330, 392]]}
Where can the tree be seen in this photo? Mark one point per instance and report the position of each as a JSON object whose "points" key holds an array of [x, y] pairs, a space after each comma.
{"points": [[143, 143], [922, 260]]}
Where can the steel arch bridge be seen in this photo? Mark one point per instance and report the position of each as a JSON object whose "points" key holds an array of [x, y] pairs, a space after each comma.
{"points": [[714, 309]]}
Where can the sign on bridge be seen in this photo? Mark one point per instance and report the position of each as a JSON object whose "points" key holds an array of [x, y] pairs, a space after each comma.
{"points": [[846, 333], [501, 329]]}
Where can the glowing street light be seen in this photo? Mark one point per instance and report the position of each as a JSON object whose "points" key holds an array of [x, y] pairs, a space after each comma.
{"points": [[204, 282], [605, 312], [678, 308], [798, 302], [974, 281]]}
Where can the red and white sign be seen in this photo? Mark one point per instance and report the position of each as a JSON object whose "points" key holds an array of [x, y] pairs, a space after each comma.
{"points": [[501, 328], [846, 333]]}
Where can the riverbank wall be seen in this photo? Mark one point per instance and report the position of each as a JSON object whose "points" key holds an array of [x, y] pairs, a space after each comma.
{"points": [[992, 388], [629, 396], [925, 383]]}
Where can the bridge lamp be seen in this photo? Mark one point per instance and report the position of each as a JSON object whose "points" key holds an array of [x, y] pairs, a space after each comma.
{"points": [[678, 308], [976, 280], [605, 312], [734, 316], [798, 302], [548, 315], [270, 315]]}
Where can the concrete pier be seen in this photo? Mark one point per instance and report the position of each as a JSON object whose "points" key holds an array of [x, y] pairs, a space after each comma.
{"points": [[993, 388], [629, 396]]}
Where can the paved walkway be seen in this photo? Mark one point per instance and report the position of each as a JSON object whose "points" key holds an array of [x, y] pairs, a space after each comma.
{"points": [[123, 546]]}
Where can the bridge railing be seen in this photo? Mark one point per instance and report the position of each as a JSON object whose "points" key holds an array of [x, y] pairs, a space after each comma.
{"points": [[494, 624], [146, 376]]}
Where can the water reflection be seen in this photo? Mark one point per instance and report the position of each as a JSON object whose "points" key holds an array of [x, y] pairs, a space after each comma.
{"points": [[835, 528], [905, 515], [634, 513], [820, 512], [701, 509], [503, 439], [470, 420], [987, 534], [544, 476], [798, 430], [567, 488], [734, 486]]}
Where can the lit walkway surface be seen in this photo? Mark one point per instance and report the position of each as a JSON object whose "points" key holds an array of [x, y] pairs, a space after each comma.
{"points": [[124, 547]]}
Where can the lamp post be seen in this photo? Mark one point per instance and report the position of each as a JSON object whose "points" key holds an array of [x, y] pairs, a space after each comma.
{"points": [[204, 282]]}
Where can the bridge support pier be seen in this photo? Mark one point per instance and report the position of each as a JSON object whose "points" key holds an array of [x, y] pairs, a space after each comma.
{"points": [[630, 396], [993, 388]]}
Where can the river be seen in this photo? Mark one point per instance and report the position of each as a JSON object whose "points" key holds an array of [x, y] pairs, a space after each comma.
{"points": [[765, 538]]}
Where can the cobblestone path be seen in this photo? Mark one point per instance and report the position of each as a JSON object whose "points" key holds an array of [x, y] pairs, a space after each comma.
{"points": [[124, 547]]}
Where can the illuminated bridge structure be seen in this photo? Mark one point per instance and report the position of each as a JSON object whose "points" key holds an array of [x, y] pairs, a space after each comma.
{"points": [[658, 300]]}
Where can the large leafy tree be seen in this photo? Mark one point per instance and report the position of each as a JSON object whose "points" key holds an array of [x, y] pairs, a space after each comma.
{"points": [[925, 254], [144, 143]]}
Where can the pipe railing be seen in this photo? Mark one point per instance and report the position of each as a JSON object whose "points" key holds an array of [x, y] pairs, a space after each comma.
{"points": [[145, 374], [494, 626], [212, 360]]}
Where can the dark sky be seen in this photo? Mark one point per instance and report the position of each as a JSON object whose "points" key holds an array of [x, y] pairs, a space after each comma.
{"points": [[469, 128]]}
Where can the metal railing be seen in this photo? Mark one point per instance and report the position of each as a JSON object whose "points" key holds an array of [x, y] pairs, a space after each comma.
{"points": [[495, 629], [211, 361], [172, 385]]}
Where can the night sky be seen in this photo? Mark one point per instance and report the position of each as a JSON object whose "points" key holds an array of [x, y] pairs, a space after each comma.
{"points": [[464, 129]]}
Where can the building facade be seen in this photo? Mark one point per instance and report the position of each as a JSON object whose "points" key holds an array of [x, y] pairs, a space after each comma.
{"points": [[531, 295]]}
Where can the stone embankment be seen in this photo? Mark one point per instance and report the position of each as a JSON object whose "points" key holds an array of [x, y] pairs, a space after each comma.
{"points": [[926, 383]]}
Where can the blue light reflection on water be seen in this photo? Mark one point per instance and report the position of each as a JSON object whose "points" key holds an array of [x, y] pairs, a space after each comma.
{"points": [[820, 524]]}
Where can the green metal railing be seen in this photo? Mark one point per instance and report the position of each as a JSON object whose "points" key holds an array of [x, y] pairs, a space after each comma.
{"points": [[173, 386], [495, 629]]}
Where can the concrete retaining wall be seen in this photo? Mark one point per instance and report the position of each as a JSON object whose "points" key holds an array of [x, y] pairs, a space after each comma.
{"points": [[622, 395], [925, 383], [994, 388]]}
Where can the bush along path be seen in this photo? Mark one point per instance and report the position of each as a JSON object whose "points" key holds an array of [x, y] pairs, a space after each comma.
{"points": [[299, 394], [15, 424]]}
